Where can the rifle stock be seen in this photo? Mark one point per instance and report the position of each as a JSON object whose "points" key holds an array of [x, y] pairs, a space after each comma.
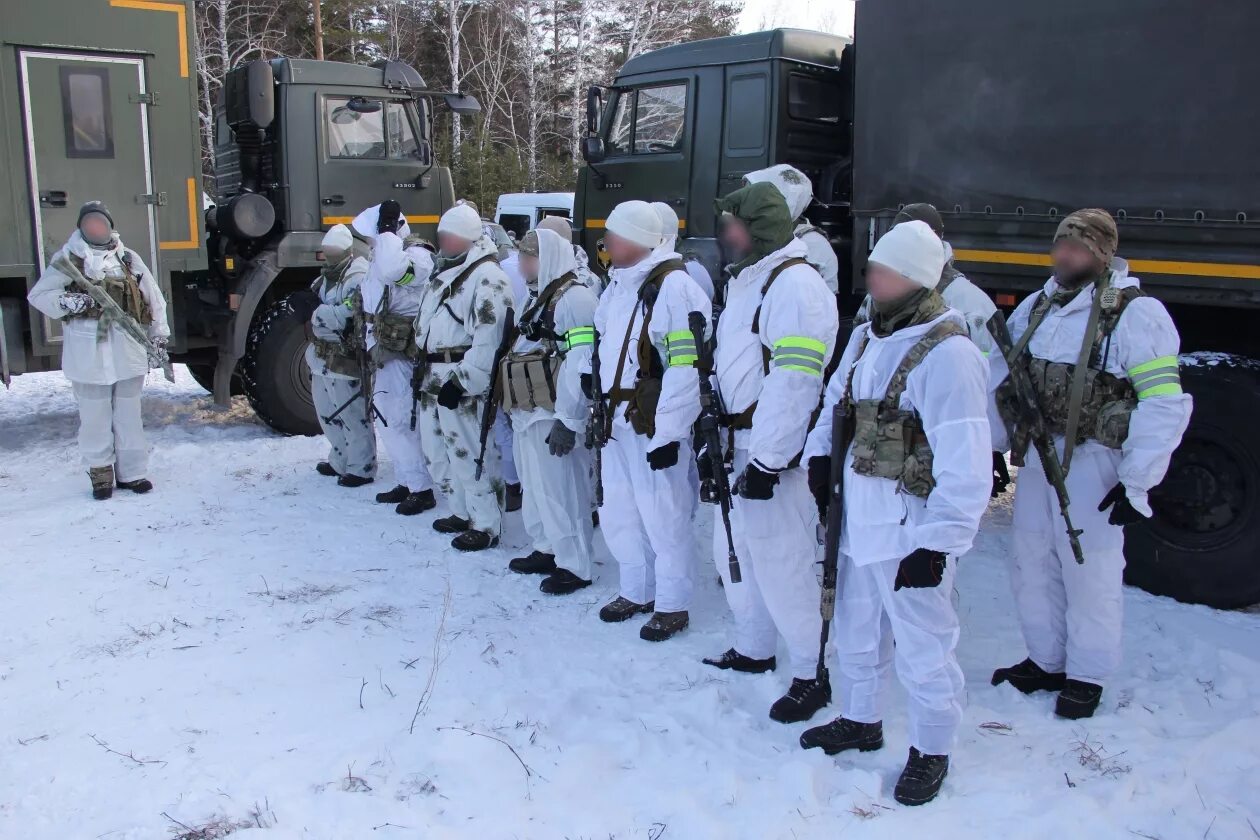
{"points": [[1029, 416]]}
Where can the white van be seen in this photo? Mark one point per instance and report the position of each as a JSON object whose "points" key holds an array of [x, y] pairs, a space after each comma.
{"points": [[519, 213]]}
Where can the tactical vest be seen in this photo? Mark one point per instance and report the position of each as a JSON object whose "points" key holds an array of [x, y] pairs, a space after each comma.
{"points": [[528, 380], [393, 332], [889, 441], [124, 290], [641, 399], [455, 354], [1107, 401], [337, 356]]}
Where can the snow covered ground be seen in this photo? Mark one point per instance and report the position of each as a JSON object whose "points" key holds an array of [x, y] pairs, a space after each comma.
{"points": [[254, 646]]}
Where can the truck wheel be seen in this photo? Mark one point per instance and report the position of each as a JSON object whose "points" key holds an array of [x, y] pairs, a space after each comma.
{"points": [[1203, 545], [274, 374], [204, 376]]}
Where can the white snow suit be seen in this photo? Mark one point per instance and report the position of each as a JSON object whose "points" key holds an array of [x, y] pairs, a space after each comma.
{"points": [[557, 499], [883, 524], [503, 437], [351, 438], [458, 331], [107, 372], [646, 515], [774, 539], [1071, 614], [393, 287]]}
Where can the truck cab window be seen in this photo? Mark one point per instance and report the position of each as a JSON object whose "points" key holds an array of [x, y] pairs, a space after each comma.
{"points": [[402, 137], [355, 134], [814, 100], [648, 120]]}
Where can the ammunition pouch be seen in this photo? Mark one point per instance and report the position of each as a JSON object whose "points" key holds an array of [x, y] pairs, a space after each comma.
{"points": [[890, 443], [1106, 406], [124, 290], [336, 357], [395, 333], [641, 405], [527, 381]]}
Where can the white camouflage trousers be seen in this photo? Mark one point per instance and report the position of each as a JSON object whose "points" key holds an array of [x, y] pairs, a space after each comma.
{"points": [[779, 593], [351, 438], [451, 441], [111, 431], [393, 398], [557, 502]]}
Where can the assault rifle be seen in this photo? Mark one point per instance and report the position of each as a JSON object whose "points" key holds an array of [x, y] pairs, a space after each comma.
{"points": [[596, 425], [1027, 409], [367, 371], [492, 400], [711, 434], [115, 313], [841, 437]]}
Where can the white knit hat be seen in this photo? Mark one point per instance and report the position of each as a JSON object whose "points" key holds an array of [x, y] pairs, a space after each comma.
{"points": [[669, 220], [462, 221], [338, 238], [637, 222], [912, 250]]}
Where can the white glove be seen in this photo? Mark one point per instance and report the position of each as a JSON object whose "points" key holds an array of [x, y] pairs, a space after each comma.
{"points": [[158, 356], [75, 303]]}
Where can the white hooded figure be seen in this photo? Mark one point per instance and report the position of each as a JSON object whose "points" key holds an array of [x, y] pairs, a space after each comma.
{"points": [[549, 413], [1072, 613], [390, 294], [669, 245], [458, 332], [103, 361], [335, 383], [775, 337], [909, 375], [798, 192], [649, 499], [561, 226]]}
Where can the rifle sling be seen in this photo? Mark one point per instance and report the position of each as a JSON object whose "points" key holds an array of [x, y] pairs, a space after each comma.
{"points": [[1077, 391]]}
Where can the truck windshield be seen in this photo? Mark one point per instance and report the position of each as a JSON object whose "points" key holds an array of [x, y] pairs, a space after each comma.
{"points": [[649, 120], [369, 135]]}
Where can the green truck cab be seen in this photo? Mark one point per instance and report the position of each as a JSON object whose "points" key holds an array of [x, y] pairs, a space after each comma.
{"points": [[1006, 116], [299, 146]]}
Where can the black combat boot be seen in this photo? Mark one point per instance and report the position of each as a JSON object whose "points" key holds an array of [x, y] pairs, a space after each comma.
{"points": [[733, 660], [802, 701], [139, 486], [922, 778], [512, 498], [393, 497], [664, 625], [1077, 700], [102, 482], [325, 468], [537, 563], [1028, 677], [451, 525], [474, 540], [562, 582], [352, 480], [416, 503], [621, 609], [844, 734]]}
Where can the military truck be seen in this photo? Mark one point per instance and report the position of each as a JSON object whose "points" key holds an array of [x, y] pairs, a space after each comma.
{"points": [[299, 146], [1005, 116]]}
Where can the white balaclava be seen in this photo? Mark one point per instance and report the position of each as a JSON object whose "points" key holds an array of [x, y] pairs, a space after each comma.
{"points": [[337, 241], [794, 185], [637, 222], [669, 225], [912, 250], [462, 221]]}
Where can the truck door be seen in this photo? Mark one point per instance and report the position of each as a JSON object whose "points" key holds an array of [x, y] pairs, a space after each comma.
{"points": [[87, 138], [370, 153]]}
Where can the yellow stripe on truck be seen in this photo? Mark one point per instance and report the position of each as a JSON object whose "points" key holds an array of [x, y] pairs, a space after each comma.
{"points": [[414, 220], [180, 16], [1237, 271]]}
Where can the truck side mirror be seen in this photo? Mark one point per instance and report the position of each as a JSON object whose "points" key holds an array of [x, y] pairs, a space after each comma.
{"points": [[594, 104], [462, 103], [260, 85], [593, 149]]}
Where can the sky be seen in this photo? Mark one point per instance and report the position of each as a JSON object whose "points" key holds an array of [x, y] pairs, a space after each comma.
{"points": [[834, 16]]}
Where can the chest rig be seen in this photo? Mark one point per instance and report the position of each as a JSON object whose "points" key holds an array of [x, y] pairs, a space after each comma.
{"points": [[529, 379], [641, 399], [123, 288], [338, 356]]}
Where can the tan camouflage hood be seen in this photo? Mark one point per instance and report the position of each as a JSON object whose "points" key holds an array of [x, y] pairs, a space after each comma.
{"points": [[1093, 228]]}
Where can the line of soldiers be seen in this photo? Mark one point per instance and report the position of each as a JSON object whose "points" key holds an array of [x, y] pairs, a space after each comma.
{"points": [[606, 392]]}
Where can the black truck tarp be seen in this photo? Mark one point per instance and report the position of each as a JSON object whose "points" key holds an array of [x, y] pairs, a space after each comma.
{"points": [[1140, 105]]}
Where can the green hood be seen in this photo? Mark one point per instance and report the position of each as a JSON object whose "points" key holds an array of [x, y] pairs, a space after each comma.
{"points": [[761, 207]]}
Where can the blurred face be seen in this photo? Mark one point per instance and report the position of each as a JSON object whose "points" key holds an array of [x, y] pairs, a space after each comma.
{"points": [[623, 252], [452, 245], [736, 240], [95, 228], [332, 256], [886, 285], [529, 268], [1073, 262]]}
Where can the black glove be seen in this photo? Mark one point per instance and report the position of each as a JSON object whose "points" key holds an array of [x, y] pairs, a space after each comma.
{"points": [[663, 457], [820, 482], [390, 218], [451, 394], [756, 483], [922, 568], [561, 439], [588, 386], [304, 302], [1122, 511]]}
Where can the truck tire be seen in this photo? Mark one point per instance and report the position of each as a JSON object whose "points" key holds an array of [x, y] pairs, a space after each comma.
{"points": [[1203, 544], [204, 376], [274, 374]]}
